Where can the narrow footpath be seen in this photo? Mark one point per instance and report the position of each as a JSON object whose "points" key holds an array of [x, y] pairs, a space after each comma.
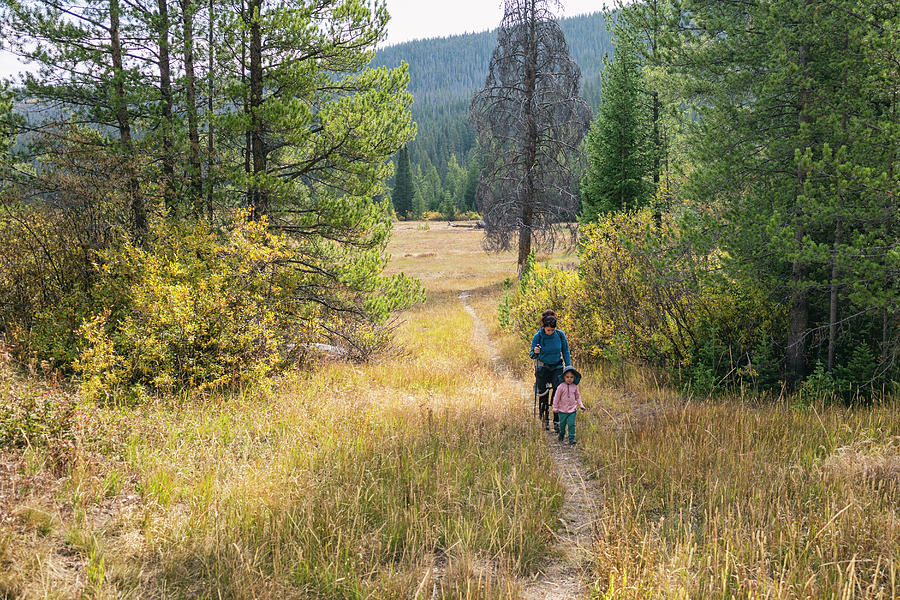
{"points": [[567, 567]]}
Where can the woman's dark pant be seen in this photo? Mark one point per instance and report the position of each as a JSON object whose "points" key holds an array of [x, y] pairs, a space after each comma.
{"points": [[543, 376]]}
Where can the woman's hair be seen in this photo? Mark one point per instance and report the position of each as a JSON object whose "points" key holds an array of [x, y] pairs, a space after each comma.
{"points": [[548, 321], [548, 313]]}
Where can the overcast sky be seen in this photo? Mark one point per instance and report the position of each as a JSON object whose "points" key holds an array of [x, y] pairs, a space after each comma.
{"points": [[416, 19]]}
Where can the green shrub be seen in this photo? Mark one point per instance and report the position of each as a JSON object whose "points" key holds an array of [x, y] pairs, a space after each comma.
{"points": [[55, 220], [45, 286], [198, 310], [33, 422]]}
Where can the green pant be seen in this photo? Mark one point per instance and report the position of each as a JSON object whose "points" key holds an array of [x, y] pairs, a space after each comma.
{"points": [[567, 419]]}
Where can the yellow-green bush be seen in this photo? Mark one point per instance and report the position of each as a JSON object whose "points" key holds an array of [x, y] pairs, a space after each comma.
{"points": [[43, 299], [53, 222], [539, 288], [198, 309], [639, 290], [649, 292], [645, 292]]}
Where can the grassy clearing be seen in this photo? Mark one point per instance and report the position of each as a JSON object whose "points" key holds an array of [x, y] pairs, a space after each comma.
{"points": [[734, 497], [353, 481], [369, 481], [728, 500]]}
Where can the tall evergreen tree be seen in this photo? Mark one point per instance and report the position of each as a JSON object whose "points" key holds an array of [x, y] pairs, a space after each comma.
{"points": [[645, 24], [88, 70], [473, 173], [418, 204], [619, 142], [304, 130], [794, 136], [455, 184], [432, 187], [404, 188]]}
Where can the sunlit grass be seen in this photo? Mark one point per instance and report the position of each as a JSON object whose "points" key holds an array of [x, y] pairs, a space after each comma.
{"points": [[730, 498], [418, 470]]}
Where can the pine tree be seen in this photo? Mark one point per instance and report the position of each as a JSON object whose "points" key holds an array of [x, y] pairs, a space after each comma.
{"points": [[89, 71], [644, 23], [794, 127], [404, 188], [432, 188], [619, 142], [473, 173], [304, 130], [455, 184], [418, 204]]}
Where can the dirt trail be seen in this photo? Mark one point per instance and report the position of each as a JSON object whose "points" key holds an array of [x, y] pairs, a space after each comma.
{"points": [[567, 566]]}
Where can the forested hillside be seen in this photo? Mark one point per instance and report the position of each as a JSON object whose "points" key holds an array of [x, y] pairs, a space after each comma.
{"points": [[445, 73]]}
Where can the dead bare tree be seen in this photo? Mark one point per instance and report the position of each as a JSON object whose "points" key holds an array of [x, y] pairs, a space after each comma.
{"points": [[529, 120]]}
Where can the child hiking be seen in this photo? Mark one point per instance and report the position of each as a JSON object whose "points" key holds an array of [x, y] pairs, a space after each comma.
{"points": [[567, 401], [550, 351]]}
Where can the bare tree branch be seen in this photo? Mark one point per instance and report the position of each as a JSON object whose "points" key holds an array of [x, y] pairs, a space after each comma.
{"points": [[530, 122]]}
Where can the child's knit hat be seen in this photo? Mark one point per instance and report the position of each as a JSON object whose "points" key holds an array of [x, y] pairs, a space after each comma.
{"points": [[570, 369]]}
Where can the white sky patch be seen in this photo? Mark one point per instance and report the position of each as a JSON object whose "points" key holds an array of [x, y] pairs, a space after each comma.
{"points": [[416, 19], [9, 65], [419, 19]]}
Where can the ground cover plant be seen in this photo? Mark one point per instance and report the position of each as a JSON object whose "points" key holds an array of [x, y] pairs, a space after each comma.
{"points": [[735, 499], [349, 481]]}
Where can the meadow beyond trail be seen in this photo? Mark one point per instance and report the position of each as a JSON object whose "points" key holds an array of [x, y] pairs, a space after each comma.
{"points": [[562, 574]]}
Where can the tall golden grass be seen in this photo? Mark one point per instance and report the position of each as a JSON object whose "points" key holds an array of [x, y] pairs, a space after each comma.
{"points": [[734, 498], [417, 475]]}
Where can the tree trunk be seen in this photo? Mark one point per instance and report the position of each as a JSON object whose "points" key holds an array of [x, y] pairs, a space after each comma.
{"points": [[209, 140], [657, 146], [623, 140], [524, 238], [165, 93], [190, 82], [526, 227], [832, 309], [798, 320], [245, 98], [136, 201], [259, 197], [798, 316]]}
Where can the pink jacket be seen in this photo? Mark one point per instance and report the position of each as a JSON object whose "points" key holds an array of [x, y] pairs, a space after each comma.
{"points": [[567, 398]]}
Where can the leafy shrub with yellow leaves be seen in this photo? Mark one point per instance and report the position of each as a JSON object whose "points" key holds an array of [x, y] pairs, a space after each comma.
{"points": [[644, 292], [539, 287], [197, 309]]}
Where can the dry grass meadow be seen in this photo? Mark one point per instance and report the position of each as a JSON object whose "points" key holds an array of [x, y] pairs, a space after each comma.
{"points": [[422, 475]]}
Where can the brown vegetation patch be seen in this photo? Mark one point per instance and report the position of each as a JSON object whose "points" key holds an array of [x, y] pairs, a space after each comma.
{"points": [[865, 461]]}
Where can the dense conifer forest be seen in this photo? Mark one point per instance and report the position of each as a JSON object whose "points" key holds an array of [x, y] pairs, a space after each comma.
{"points": [[446, 72]]}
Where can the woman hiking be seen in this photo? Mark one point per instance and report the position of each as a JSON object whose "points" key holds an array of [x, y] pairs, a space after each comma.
{"points": [[550, 351]]}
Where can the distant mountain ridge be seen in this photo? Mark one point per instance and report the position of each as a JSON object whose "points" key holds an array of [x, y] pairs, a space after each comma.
{"points": [[446, 72]]}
